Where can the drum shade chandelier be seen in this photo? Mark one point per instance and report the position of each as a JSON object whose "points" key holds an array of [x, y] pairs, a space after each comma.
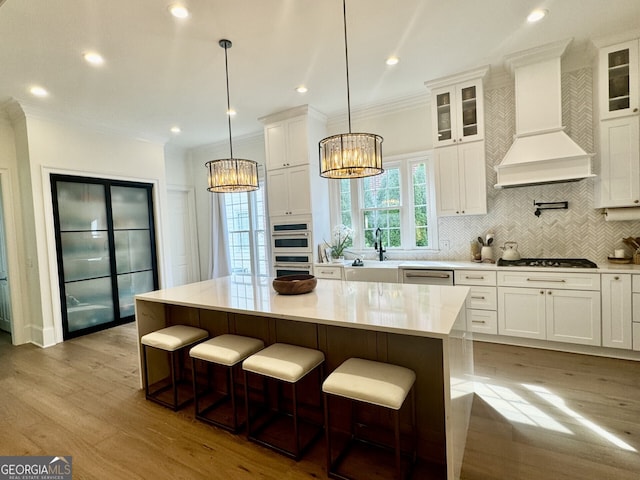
{"points": [[228, 175], [350, 155]]}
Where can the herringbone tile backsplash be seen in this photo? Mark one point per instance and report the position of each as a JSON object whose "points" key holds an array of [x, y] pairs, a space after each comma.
{"points": [[580, 231]]}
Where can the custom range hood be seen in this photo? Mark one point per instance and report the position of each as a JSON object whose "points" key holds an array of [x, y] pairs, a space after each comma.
{"points": [[541, 152]]}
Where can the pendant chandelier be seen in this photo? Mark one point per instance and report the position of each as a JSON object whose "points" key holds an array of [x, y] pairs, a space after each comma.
{"points": [[350, 155], [228, 175]]}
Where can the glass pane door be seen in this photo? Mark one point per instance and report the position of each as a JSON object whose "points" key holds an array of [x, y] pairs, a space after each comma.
{"points": [[84, 254], [619, 85], [469, 111], [106, 250], [444, 116], [133, 244]]}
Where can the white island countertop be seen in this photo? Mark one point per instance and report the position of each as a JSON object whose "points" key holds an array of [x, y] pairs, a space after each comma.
{"points": [[419, 310]]}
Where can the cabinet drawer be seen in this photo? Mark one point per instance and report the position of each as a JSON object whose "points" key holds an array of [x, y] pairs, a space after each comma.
{"points": [[482, 298], [635, 283], [561, 281], [475, 277], [334, 273], [483, 321]]}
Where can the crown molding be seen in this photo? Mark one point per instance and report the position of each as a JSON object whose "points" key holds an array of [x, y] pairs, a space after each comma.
{"points": [[20, 109], [389, 106]]}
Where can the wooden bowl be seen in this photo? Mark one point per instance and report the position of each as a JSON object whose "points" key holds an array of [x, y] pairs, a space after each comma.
{"points": [[294, 284]]}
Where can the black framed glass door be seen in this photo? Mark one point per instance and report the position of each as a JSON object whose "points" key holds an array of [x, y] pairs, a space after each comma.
{"points": [[106, 250]]}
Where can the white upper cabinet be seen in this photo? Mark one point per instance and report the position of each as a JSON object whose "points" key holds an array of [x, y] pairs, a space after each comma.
{"points": [[619, 181], [460, 180], [618, 80], [619, 126], [457, 112], [287, 143]]}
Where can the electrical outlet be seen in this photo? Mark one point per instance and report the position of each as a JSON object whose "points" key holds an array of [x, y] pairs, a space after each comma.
{"points": [[444, 245]]}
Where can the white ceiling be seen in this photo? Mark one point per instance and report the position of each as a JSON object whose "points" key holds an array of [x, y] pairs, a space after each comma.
{"points": [[161, 71]]}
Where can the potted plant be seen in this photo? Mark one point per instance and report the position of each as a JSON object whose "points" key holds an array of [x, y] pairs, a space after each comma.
{"points": [[341, 236]]}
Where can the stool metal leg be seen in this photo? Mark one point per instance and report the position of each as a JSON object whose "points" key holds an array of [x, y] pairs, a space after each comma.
{"points": [[195, 386], [396, 428], [231, 388], [246, 403], [327, 427], [146, 371], [172, 359], [295, 420]]}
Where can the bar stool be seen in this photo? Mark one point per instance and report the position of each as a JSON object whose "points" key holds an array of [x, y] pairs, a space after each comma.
{"points": [[173, 340], [225, 351], [374, 383], [286, 364]]}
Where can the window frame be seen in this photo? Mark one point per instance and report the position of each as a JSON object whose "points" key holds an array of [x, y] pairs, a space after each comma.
{"points": [[405, 164], [253, 231]]}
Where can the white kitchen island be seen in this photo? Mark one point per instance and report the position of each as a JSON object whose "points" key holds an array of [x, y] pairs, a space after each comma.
{"points": [[417, 326]]}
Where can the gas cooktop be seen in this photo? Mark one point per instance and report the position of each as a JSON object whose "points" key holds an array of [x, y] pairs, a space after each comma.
{"points": [[548, 262]]}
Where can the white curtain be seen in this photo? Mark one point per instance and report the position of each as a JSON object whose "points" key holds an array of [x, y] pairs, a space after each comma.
{"points": [[218, 242]]}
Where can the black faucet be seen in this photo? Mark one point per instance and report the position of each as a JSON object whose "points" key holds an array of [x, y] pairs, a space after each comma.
{"points": [[378, 244]]}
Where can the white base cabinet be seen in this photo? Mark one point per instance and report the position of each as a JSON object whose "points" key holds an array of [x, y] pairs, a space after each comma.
{"points": [[521, 312], [617, 327], [573, 316], [551, 308]]}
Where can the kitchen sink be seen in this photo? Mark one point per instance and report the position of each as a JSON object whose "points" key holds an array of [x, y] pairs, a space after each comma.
{"points": [[373, 272]]}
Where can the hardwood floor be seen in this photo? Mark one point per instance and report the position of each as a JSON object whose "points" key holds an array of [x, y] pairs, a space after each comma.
{"points": [[536, 414]]}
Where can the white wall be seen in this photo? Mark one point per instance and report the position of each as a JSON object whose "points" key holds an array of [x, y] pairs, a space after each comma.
{"points": [[405, 127], [246, 147], [14, 232], [59, 147]]}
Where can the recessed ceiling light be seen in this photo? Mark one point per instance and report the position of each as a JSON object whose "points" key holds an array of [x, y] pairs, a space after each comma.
{"points": [[392, 61], [176, 130], [537, 15], [38, 91], [301, 89], [179, 11], [93, 58], [231, 112]]}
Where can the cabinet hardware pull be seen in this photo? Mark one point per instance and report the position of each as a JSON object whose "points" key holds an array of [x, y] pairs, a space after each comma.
{"points": [[330, 272], [546, 280], [290, 234], [426, 275], [297, 266], [469, 277], [478, 321], [549, 292], [616, 278], [541, 292], [476, 297]]}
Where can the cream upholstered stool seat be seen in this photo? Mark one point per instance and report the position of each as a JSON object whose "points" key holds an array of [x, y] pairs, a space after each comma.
{"points": [[173, 340], [226, 351], [374, 383], [290, 364]]}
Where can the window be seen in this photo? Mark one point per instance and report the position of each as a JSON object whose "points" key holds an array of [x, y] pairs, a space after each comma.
{"points": [[399, 202], [246, 223]]}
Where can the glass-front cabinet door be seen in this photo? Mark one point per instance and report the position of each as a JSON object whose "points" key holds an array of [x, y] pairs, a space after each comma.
{"points": [[105, 248], [619, 80], [458, 113]]}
